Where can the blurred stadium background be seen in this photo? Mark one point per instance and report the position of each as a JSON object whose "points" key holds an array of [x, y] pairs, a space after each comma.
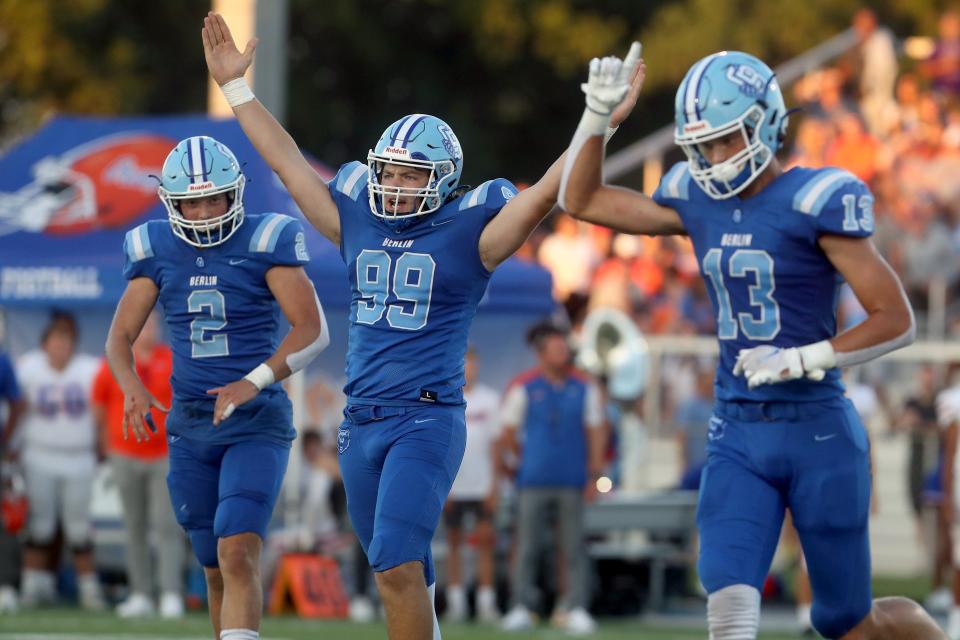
{"points": [[505, 75]]}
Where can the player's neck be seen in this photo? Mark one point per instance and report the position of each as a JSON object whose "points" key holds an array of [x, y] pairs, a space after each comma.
{"points": [[771, 173], [554, 374]]}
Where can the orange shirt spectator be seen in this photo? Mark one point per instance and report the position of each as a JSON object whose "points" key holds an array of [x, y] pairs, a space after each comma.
{"points": [[155, 373]]}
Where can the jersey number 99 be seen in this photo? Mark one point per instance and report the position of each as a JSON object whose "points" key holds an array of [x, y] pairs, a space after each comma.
{"points": [[412, 283]]}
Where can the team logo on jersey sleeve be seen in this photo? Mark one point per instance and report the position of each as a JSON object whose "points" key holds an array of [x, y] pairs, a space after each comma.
{"points": [[716, 429], [102, 183]]}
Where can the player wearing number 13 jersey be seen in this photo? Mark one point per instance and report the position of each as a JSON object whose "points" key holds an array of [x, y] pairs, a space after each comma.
{"points": [[774, 247]]}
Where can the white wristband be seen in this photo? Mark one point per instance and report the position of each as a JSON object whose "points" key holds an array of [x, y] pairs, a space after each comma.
{"points": [[261, 376], [593, 123], [818, 355], [237, 92]]}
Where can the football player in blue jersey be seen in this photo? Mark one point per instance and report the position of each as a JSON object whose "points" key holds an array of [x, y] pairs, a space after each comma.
{"points": [[774, 247], [222, 278], [419, 253]]}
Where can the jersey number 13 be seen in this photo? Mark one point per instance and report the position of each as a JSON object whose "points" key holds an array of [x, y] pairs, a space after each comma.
{"points": [[762, 321]]}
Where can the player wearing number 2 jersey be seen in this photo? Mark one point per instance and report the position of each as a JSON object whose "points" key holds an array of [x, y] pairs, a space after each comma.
{"points": [[222, 279], [774, 247], [419, 252]]}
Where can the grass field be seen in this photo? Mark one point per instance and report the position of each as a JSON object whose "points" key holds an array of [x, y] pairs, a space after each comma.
{"points": [[71, 624]]}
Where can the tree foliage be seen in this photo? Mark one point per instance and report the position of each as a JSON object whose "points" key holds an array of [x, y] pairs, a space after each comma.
{"points": [[504, 73]]}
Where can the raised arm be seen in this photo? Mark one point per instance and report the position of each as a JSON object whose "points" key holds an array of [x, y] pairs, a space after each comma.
{"points": [[582, 191], [516, 221], [135, 305], [227, 66]]}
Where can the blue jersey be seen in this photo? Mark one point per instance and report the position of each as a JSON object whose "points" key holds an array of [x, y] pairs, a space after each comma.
{"points": [[413, 293], [221, 316], [768, 279]]}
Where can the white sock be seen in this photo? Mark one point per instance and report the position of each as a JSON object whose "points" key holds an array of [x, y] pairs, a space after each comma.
{"points": [[239, 634], [456, 597], [803, 615], [486, 599], [733, 613], [431, 592]]}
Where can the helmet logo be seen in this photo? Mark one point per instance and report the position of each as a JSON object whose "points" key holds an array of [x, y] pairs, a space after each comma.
{"points": [[694, 126], [450, 143], [200, 187], [397, 151], [747, 79]]}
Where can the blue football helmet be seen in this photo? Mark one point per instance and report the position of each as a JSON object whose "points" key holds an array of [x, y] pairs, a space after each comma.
{"points": [[725, 93], [200, 166], [420, 141]]}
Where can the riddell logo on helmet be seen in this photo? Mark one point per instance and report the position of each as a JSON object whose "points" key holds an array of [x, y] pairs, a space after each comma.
{"points": [[397, 151], [200, 187], [695, 126]]}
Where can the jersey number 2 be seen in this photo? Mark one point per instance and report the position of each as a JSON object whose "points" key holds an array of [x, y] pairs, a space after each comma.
{"points": [[745, 263], [210, 303], [412, 283]]}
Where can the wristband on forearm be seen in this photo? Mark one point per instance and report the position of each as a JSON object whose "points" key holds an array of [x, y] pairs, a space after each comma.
{"points": [[237, 92], [261, 376]]}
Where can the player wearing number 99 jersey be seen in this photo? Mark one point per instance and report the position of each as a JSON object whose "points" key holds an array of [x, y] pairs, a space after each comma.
{"points": [[419, 252], [774, 247], [222, 279]]}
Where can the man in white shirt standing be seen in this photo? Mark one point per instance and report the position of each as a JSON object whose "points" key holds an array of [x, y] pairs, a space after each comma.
{"points": [[59, 456], [474, 496]]}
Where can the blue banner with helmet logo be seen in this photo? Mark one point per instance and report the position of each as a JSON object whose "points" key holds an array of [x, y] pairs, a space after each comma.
{"points": [[70, 192]]}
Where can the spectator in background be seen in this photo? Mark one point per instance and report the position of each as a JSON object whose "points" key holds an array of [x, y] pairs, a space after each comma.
{"points": [[693, 419], [853, 148], [942, 68], [11, 408], [948, 417], [919, 419], [474, 496], [877, 73], [553, 421], [59, 457], [140, 471], [569, 255]]}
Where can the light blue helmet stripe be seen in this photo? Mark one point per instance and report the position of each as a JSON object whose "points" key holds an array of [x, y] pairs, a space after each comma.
{"points": [[264, 239], [814, 195], [137, 244], [676, 184], [475, 197], [403, 131], [690, 107]]}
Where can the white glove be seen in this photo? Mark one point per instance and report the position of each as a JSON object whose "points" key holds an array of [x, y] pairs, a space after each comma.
{"points": [[609, 81], [769, 365]]}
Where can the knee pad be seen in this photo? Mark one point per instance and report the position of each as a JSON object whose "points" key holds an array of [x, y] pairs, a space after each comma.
{"points": [[733, 613], [204, 544], [242, 513]]}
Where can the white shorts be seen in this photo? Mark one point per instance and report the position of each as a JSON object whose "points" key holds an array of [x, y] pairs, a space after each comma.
{"points": [[58, 499]]}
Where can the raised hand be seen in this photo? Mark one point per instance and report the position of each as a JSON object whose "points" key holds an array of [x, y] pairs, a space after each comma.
{"points": [[224, 60], [634, 71], [610, 80]]}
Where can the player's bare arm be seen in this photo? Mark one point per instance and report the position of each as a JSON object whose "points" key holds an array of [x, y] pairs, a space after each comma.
{"points": [[889, 317], [227, 63], [133, 309], [516, 221], [582, 191], [308, 336]]}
